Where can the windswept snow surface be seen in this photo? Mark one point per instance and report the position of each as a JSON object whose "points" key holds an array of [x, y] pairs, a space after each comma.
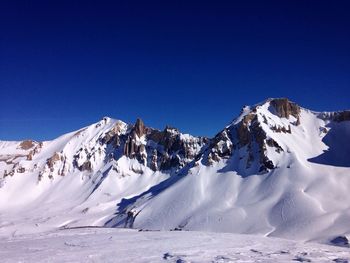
{"points": [[114, 245]]}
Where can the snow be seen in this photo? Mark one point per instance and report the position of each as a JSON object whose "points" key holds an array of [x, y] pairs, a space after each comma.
{"points": [[305, 199], [114, 245], [301, 199]]}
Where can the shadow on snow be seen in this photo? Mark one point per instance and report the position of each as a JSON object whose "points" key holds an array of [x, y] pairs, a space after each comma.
{"points": [[337, 140], [126, 204]]}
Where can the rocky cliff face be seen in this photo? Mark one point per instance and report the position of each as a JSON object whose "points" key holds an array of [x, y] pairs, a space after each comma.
{"points": [[253, 143], [11, 160], [284, 108], [247, 137], [161, 150], [166, 151], [338, 116], [275, 160]]}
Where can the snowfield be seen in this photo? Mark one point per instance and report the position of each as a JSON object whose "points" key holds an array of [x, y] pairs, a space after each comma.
{"points": [[117, 245]]}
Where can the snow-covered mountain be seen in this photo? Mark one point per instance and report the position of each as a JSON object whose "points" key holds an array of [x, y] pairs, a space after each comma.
{"points": [[276, 170]]}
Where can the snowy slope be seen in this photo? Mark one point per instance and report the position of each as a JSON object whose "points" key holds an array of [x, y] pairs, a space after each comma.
{"points": [[303, 195], [276, 170], [80, 177]]}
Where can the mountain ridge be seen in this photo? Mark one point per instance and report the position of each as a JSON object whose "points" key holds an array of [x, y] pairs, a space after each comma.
{"points": [[275, 159]]}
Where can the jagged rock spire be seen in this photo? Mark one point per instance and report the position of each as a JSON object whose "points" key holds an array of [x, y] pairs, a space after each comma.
{"points": [[139, 128]]}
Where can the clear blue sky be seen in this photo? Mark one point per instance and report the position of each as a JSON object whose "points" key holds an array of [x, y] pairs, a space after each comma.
{"points": [[193, 65]]}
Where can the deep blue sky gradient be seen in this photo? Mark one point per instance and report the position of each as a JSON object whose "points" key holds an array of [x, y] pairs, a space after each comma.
{"points": [[190, 64]]}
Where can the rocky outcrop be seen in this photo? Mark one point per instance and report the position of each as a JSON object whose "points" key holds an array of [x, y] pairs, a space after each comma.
{"points": [[139, 128], [277, 128], [113, 135], [284, 108], [86, 166], [27, 144], [337, 116], [133, 147], [249, 136], [248, 143], [20, 169], [56, 164], [243, 132], [53, 160], [161, 150], [130, 147], [221, 147], [36, 150], [154, 161], [260, 138], [342, 116], [272, 143], [176, 149], [30, 156], [168, 138]]}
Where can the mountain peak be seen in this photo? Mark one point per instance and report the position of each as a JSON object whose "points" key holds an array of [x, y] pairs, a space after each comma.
{"points": [[252, 139], [181, 181]]}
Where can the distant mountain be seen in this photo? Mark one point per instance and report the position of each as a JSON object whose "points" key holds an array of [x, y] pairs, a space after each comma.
{"points": [[278, 170]]}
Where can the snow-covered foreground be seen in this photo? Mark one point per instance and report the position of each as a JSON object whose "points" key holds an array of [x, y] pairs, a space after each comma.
{"points": [[125, 245]]}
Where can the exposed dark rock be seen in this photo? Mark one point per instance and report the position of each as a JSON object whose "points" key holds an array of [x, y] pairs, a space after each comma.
{"points": [[266, 164], [140, 128], [52, 160], [21, 170], [342, 116], [221, 147], [133, 148], [243, 135], [246, 133], [40, 176], [154, 160], [27, 144], [113, 135], [38, 148], [243, 131], [212, 158], [284, 108], [222, 144], [30, 156], [129, 148], [280, 129], [175, 151], [142, 154], [265, 120], [169, 138], [323, 130], [62, 173], [272, 143], [34, 151], [171, 162], [86, 166]]}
